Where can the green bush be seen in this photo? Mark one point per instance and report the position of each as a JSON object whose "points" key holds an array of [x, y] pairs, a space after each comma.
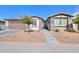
{"points": [[56, 30], [65, 30], [71, 30]]}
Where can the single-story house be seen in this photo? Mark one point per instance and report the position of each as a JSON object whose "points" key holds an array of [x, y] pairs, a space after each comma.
{"points": [[75, 26], [2, 25], [60, 21], [17, 24], [12, 24], [38, 23]]}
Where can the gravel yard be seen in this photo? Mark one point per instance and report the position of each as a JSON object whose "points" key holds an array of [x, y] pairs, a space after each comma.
{"points": [[66, 37], [25, 37]]}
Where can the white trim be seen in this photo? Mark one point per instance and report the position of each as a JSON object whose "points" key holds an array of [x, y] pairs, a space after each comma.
{"points": [[6, 23]]}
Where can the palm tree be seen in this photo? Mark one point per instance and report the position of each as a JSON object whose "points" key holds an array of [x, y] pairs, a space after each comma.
{"points": [[27, 20]]}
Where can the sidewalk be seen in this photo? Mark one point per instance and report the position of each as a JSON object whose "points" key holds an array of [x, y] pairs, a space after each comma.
{"points": [[19, 47]]}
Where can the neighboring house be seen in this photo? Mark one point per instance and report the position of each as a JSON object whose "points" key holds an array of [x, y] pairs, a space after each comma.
{"points": [[17, 24], [12, 24], [2, 25], [75, 26], [37, 23], [60, 21]]}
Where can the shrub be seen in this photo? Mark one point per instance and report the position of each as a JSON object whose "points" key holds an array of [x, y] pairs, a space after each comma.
{"points": [[28, 31], [71, 30], [56, 30], [65, 30]]}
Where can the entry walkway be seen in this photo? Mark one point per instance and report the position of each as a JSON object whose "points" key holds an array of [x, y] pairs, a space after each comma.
{"points": [[49, 37]]}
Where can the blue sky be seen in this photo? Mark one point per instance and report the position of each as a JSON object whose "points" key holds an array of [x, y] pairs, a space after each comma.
{"points": [[15, 11]]}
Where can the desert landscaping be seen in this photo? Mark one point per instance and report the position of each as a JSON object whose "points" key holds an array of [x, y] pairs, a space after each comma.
{"points": [[62, 37], [34, 37], [66, 37]]}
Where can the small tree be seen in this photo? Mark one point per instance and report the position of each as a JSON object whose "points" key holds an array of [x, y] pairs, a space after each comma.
{"points": [[27, 20], [76, 20]]}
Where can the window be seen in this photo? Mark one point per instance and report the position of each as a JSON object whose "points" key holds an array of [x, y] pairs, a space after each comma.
{"points": [[60, 22], [64, 22], [34, 22]]}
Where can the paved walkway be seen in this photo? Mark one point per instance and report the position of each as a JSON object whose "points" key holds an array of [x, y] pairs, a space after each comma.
{"points": [[49, 37]]}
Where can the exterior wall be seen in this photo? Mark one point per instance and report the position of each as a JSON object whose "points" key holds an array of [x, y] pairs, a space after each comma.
{"points": [[35, 27], [70, 20], [52, 24], [60, 28], [6, 23], [75, 27], [39, 24], [2, 25], [16, 24], [11, 25]]}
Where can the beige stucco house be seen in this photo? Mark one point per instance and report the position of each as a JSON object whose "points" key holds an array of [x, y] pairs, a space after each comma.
{"points": [[59, 21], [38, 23], [13, 24]]}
